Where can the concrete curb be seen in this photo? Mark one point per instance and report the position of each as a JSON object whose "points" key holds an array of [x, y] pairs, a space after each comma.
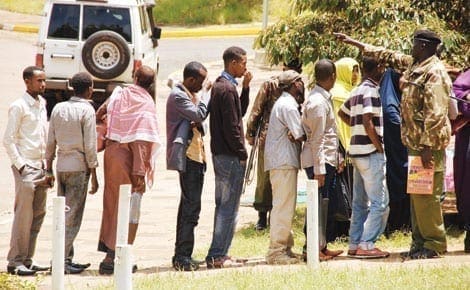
{"points": [[196, 32]]}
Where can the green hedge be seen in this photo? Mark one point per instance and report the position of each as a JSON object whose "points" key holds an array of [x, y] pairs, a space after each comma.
{"points": [[184, 12]]}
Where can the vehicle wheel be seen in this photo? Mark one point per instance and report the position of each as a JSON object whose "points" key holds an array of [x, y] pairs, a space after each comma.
{"points": [[106, 55]]}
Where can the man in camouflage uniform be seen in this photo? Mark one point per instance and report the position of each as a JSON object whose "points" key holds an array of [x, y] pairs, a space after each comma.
{"points": [[425, 130], [267, 95]]}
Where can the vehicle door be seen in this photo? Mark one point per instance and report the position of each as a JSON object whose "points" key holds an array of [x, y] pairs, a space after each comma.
{"points": [[61, 45], [149, 50]]}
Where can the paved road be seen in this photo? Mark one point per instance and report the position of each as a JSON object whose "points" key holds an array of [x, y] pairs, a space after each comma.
{"points": [[154, 244], [176, 52]]}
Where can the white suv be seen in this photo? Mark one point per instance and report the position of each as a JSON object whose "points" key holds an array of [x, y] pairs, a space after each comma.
{"points": [[110, 39]]}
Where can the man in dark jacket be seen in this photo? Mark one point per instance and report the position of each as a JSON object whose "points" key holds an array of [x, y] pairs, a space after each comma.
{"points": [[186, 154], [228, 150]]}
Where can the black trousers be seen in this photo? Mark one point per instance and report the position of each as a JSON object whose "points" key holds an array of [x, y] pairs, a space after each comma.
{"points": [[189, 208]]}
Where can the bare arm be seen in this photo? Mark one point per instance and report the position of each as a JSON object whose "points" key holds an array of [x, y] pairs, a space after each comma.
{"points": [[345, 118], [370, 130]]}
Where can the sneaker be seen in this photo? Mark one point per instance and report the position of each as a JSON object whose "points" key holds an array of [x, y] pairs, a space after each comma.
{"points": [[374, 253], [282, 259], [424, 254]]}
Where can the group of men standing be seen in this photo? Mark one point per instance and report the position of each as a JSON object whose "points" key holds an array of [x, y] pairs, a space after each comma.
{"points": [[296, 132]]}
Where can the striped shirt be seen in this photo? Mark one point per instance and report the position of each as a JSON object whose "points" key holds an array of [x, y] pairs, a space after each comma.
{"points": [[364, 99]]}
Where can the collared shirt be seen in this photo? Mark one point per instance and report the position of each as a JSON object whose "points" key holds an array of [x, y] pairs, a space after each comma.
{"points": [[318, 121], [230, 78], [364, 99], [280, 152], [26, 132], [72, 129], [425, 99]]}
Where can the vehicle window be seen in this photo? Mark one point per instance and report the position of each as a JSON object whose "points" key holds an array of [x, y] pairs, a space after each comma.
{"points": [[64, 21], [96, 18], [144, 21]]}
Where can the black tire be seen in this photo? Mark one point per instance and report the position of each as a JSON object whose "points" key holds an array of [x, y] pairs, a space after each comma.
{"points": [[105, 54]]}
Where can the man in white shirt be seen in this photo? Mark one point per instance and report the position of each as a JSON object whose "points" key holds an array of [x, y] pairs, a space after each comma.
{"points": [[320, 155], [25, 144], [282, 159]]}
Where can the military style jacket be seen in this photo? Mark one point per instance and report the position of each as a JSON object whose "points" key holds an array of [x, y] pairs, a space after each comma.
{"points": [[425, 99], [267, 95]]}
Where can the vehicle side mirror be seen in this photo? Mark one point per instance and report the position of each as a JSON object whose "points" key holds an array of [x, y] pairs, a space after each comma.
{"points": [[156, 33]]}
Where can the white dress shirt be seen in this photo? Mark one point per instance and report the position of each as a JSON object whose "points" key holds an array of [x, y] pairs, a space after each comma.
{"points": [[26, 132], [318, 121]]}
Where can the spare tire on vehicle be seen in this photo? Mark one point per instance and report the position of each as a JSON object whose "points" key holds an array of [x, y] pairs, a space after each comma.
{"points": [[106, 54]]}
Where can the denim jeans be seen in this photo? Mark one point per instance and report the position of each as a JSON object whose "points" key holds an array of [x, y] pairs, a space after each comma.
{"points": [[368, 221], [229, 175], [191, 182]]}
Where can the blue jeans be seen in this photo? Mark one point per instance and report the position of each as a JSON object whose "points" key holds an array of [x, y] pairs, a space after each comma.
{"points": [[229, 175], [368, 221]]}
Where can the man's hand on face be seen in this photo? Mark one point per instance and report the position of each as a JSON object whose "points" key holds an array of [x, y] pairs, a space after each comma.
{"points": [[247, 77]]}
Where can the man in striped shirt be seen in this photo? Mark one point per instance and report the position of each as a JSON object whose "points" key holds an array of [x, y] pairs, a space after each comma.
{"points": [[363, 112]]}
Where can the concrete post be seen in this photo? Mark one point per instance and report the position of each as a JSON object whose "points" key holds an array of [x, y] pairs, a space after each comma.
{"points": [[313, 250], [123, 267], [123, 214], [58, 242]]}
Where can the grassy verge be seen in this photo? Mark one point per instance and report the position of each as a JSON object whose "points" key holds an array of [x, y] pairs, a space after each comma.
{"points": [[23, 6], [250, 243], [183, 12], [11, 282], [301, 277]]}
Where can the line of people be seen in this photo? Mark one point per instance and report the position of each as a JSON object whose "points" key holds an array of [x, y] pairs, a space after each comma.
{"points": [[296, 132]]}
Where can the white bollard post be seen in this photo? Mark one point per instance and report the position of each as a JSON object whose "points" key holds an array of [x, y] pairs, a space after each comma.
{"points": [[123, 214], [123, 268], [313, 251], [58, 243], [123, 259]]}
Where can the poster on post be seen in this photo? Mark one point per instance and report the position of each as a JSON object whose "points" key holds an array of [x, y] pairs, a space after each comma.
{"points": [[420, 179]]}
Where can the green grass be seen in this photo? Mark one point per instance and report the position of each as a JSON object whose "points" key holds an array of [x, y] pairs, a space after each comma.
{"points": [[23, 6], [184, 12], [250, 243], [12, 282], [301, 277]]}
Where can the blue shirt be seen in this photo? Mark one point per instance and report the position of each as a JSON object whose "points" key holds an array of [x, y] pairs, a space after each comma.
{"points": [[230, 78]]}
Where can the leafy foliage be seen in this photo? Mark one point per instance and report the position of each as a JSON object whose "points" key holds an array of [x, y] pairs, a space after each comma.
{"points": [[308, 32]]}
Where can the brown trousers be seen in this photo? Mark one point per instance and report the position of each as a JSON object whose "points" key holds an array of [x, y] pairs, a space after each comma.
{"points": [[30, 209]]}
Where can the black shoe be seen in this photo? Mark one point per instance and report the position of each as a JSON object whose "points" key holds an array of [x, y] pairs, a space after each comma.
{"points": [[134, 268], [69, 269], [185, 264], [80, 266], [106, 268], [21, 270], [38, 268], [262, 222], [424, 254], [409, 253]]}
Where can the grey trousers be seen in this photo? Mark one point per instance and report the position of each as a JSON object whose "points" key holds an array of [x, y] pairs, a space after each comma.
{"points": [[30, 209], [73, 186]]}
